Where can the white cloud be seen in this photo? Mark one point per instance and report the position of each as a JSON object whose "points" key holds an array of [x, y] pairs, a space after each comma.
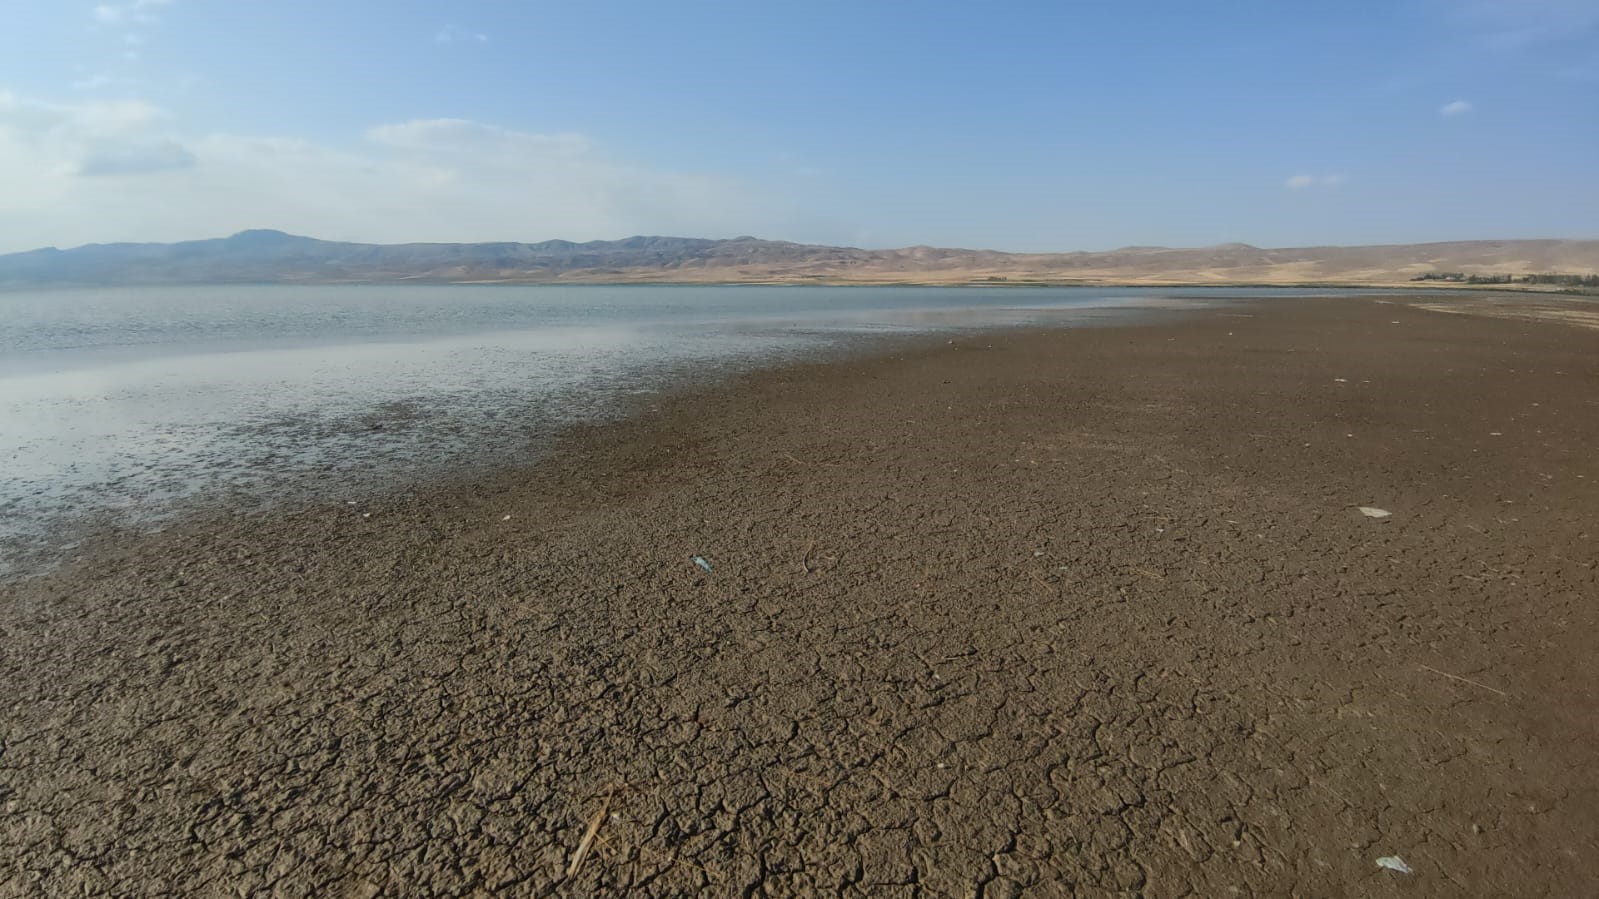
{"points": [[96, 138], [134, 12], [1456, 108], [98, 171], [93, 119], [452, 33], [130, 16], [1304, 182]]}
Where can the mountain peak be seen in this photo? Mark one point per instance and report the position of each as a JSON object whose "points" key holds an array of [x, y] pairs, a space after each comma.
{"points": [[263, 237]]}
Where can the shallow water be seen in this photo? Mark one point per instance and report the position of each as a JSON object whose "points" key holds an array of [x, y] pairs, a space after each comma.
{"points": [[123, 404]]}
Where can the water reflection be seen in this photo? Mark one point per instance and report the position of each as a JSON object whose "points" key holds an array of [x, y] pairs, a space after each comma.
{"points": [[128, 402]]}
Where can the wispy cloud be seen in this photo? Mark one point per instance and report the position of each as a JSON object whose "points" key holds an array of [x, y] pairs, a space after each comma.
{"points": [[1456, 108], [458, 135], [120, 137], [1518, 24], [133, 18], [450, 34], [1305, 182], [132, 12], [73, 173]]}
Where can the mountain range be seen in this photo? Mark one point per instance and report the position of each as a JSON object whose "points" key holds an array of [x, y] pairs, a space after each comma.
{"points": [[275, 257]]}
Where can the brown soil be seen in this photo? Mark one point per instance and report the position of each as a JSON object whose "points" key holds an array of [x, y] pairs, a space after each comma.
{"points": [[1087, 610]]}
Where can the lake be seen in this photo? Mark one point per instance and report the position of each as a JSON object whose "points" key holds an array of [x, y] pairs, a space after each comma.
{"points": [[125, 405]]}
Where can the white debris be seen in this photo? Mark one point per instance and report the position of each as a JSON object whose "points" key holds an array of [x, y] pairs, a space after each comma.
{"points": [[1394, 863], [1374, 512]]}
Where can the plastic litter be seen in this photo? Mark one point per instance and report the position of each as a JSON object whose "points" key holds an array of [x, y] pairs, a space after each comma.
{"points": [[1374, 512], [1394, 863], [700, 561]]}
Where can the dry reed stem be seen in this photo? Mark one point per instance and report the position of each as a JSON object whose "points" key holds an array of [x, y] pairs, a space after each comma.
{"points": [[588, 838], [1465, 680]]}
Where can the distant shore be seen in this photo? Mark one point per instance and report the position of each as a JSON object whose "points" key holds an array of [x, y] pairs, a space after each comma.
{"points": [[1244, 599], [653, 280], [273, 256], [1416, 286]]}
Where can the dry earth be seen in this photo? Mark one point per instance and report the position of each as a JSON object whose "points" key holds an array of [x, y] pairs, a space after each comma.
{"points": [[1034, 613]]}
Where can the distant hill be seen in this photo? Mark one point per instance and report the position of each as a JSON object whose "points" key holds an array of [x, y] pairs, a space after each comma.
{"points": [[272, 256]]}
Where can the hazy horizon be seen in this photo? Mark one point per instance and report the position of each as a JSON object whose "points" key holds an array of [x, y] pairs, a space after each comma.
{"points": [[1028, 127], [621, 238]]}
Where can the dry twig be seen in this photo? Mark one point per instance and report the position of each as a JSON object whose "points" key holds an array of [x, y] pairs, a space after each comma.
{"points": [[588, 838], [1465, 680]]}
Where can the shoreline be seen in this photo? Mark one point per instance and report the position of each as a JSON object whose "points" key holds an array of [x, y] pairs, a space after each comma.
{"points": [[1089, 606], [1007, 282], [369, 472]]}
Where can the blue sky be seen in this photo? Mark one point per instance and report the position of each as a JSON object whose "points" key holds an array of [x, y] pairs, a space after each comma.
{"points": [[1025, 126]]}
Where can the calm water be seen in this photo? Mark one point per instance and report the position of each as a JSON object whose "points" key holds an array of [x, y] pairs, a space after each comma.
{"points": [[122, 404]]}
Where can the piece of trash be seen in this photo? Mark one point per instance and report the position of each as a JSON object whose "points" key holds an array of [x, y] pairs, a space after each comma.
{"points": [[506, 518], [1037, 553], [1496, 433], [1341, 380], [1394, 863], [700, 561], [366, 514], [1374, 512]]}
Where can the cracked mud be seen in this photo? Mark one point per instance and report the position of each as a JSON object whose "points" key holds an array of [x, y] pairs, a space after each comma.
{"points": [[1024, 614]]}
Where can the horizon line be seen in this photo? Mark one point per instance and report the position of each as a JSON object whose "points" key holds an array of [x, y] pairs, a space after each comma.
{"points": [[1239, 245]]}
